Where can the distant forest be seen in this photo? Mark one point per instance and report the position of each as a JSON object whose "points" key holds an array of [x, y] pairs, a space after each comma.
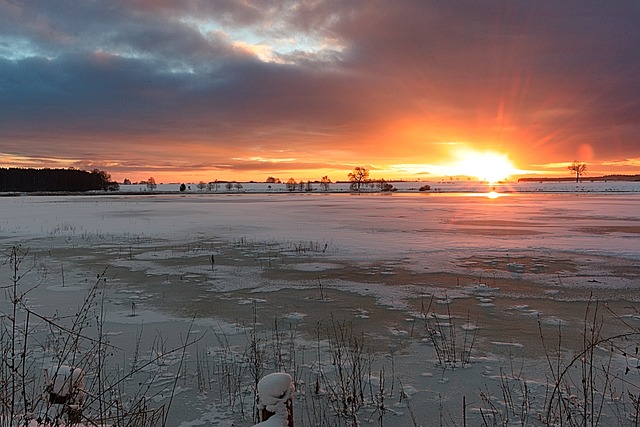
{"points": [[59, 180]]}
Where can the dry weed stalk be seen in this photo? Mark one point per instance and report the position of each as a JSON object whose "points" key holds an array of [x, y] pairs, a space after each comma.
{"points": [[451, 350], [34, 343]]}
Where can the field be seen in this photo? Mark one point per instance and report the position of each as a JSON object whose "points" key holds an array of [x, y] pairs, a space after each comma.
{"points": [[401, 309]]}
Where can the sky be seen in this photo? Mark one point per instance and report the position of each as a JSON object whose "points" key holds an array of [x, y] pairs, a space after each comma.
{"points": [[190, 90]]}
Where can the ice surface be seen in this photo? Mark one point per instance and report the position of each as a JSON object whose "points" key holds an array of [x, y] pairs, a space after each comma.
{"points": [[498, 268]]}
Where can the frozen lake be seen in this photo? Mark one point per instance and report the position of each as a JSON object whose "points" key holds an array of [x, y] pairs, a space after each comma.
{"points": [[392, 266]]}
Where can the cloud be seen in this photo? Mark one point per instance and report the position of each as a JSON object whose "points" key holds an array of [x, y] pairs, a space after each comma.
{"points": [[379, 82]]}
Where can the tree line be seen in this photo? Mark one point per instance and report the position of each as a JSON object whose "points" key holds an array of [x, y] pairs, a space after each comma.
{"points": [[359, 178], [64, 180]]}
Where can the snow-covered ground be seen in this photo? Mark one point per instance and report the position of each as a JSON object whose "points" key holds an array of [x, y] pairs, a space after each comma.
{"points": [[446, 186], [401, 268]]}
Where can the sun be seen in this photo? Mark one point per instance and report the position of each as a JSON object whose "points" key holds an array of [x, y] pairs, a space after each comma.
{"points": [[484, 165]]}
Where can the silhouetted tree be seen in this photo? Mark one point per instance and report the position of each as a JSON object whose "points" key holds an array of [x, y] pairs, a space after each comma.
{"points": [[324, 183], [237, 185], [151, 183], [183, 187], [291, 184], [578, 168], [386, 187], [103, 180], [229, 186], [213, 185], [359, 175], [309, 187], [272, 180]]}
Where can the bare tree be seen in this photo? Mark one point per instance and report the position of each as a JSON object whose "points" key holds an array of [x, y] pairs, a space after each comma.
{"points": [[359, 175], [202, 185], [213, 185], [151, 183], [324, 183], [578, 168], [291, 184]]}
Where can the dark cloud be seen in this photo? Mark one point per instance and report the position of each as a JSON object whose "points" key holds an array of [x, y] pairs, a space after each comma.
{"points": [[540, 78]]}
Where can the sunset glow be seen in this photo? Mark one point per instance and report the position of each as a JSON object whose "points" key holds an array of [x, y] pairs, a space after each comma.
{"points": [[189, 91], [485, 166]]}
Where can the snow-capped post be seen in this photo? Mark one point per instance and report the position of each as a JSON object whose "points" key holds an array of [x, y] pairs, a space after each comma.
{"points": [[275, 400], [65, 386]]}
